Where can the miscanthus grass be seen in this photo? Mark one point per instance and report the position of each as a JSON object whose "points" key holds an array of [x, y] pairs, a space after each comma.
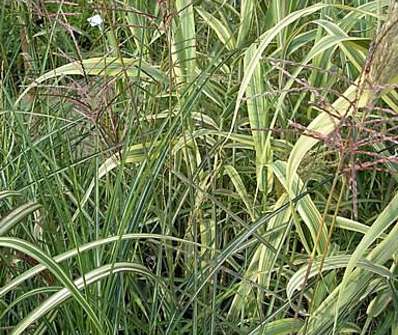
{"points": [[198, 167]]}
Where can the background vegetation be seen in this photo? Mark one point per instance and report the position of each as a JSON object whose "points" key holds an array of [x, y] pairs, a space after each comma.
{"points": [[198, 167]]}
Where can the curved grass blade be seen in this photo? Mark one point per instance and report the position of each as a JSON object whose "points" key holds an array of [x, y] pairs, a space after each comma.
{"points": [[344, 299], [34, 252], [16, 215], [64, 294], [102, 66], [7, 193], [223, 33], [85, 247], [264, 41], [331, 263], [27, 295]]}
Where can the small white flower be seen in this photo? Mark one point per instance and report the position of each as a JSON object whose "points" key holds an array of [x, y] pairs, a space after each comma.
{"points": [[95, 20]]}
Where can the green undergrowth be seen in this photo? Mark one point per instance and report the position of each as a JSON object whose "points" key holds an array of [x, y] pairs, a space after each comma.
{"points": [[198, 167]]}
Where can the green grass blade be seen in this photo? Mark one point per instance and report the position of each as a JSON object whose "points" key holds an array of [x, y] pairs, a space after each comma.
{"points": [[34, 252], [102, 66], [222, 31], [89, 278], [16, 215]]}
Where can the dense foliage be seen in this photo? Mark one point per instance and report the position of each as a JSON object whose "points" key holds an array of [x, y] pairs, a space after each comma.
{"points": [[198, 167]]}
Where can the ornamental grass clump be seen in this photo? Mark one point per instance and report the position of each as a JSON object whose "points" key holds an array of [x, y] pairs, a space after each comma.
{"points": [[198, 167]]}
